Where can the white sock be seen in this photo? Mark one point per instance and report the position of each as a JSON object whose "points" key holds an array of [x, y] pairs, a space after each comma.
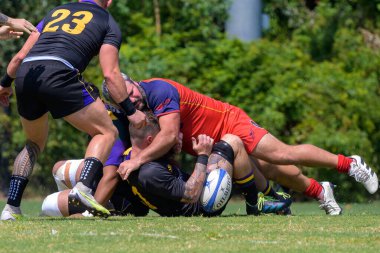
{"points": [[50, 206]]}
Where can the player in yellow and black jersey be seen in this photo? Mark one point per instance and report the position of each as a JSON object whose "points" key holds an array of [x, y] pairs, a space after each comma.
{"points": [[48, 79]]}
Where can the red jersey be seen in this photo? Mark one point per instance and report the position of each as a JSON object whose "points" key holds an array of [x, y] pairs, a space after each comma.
{"points": [[200, 114]]}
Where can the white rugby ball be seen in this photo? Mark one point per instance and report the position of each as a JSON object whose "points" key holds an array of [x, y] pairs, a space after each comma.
{"points": [[216, 191]]}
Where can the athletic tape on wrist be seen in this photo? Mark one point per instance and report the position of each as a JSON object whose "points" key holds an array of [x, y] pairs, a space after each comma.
{"points": [[6, 81], [128, 107], [202, 159]]}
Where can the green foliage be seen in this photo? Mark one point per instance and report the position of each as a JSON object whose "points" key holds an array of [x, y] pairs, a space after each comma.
{"points": [[313, 78]]}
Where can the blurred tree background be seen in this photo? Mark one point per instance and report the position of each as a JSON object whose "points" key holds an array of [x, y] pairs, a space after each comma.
{"points": [[312, 78]]}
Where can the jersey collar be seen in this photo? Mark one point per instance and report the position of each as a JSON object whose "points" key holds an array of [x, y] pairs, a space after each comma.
{"points": [[89, 1]]}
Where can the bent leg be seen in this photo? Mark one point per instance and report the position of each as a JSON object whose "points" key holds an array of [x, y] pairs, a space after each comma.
{"points": [[287, 175], [58, 205], [274, 151], [94, 120], [66, 173]]}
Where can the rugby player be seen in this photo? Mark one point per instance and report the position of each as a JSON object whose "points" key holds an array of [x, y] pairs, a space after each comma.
{"points": [[178, 108], [114, 194], [160, 185], [163, 187], [109, 190], [48, 79], [14, 27]]}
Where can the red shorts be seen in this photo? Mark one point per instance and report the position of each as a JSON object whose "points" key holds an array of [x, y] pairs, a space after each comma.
{"points": [[240, 124]]}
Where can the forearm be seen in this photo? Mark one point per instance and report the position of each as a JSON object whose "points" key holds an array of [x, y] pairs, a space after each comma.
{"points": [[194, 184], [116, 85], [160, 146], [16, 61], [3, 19], [14, 64], [107, 185]]}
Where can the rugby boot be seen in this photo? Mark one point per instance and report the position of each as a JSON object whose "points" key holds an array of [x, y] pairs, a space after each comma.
{"points": [[266, 205], [328, 203], [11, 213], [286, 198], [363, 174], [78, 197]]}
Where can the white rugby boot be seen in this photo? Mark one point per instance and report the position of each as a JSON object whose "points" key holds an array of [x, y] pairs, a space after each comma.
{"points": [[328, 203], [363, 174], [11, 213]]}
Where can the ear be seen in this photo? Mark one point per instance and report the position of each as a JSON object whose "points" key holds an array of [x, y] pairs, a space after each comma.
{"points": [[149, 139]]}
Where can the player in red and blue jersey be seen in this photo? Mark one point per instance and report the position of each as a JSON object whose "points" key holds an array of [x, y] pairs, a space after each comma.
{"points": [[48, 79], [178, 108]]}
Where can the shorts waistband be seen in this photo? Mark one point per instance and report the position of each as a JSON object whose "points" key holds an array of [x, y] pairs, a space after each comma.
{"points": [[48, 57]]}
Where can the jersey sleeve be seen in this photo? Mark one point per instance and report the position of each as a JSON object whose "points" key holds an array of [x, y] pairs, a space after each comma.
{"points": [[113, 36], [163, 98], [156, 178], [40, 26], [116, 156]]}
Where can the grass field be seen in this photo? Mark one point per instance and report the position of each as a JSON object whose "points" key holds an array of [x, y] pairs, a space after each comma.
{"points": [[308, 230]]}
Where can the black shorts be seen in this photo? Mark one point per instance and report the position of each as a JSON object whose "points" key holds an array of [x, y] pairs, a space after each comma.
{"points": [[49, 85]]}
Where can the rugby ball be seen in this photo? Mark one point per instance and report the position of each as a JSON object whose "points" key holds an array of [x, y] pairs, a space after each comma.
{"points": [[216, 191]]}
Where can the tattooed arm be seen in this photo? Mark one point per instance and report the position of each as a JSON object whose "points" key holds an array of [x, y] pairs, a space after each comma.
{"points": [[3, 19], [194, 185], [17, 24]]}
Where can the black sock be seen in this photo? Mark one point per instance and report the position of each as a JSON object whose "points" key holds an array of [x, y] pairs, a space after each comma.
{"points": [[248, 188], [268, 191], [91, 171], [16, 190]]}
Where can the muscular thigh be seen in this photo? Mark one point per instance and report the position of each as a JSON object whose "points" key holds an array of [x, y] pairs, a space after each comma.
{"points": [[43, 86], [241, 125]]}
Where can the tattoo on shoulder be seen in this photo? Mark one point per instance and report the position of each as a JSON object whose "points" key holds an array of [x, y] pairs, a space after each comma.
{"points": [[3, 19]]}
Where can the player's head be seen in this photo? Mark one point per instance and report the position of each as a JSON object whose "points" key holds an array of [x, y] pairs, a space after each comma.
{"points": [[103, 3], [106, 94], [144, 136]]}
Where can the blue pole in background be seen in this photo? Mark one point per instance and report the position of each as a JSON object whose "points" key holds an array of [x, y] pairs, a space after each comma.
{"points": [[245, 20]]}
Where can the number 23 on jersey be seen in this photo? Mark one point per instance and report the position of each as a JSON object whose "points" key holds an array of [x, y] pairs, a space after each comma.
{"points": [[80, 20]]}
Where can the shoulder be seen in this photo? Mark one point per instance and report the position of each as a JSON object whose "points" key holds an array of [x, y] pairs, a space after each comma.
{"points": [[157, 84], [153, 164], [159, 89]]}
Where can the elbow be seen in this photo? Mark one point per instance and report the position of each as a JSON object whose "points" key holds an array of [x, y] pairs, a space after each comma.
{"points": [[173, 138], [15, 63], [19, 57]]}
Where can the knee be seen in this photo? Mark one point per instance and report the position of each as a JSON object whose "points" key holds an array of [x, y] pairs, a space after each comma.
{"points": [[234, 141], [113, 133], [56, 167], [50, 206]]}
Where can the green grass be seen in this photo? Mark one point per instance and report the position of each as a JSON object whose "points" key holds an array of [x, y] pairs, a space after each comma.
{"points": [[309, 230]]}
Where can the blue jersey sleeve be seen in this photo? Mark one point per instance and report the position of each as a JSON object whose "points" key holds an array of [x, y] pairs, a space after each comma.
{"points": [[40, 26], [163, 98]]}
